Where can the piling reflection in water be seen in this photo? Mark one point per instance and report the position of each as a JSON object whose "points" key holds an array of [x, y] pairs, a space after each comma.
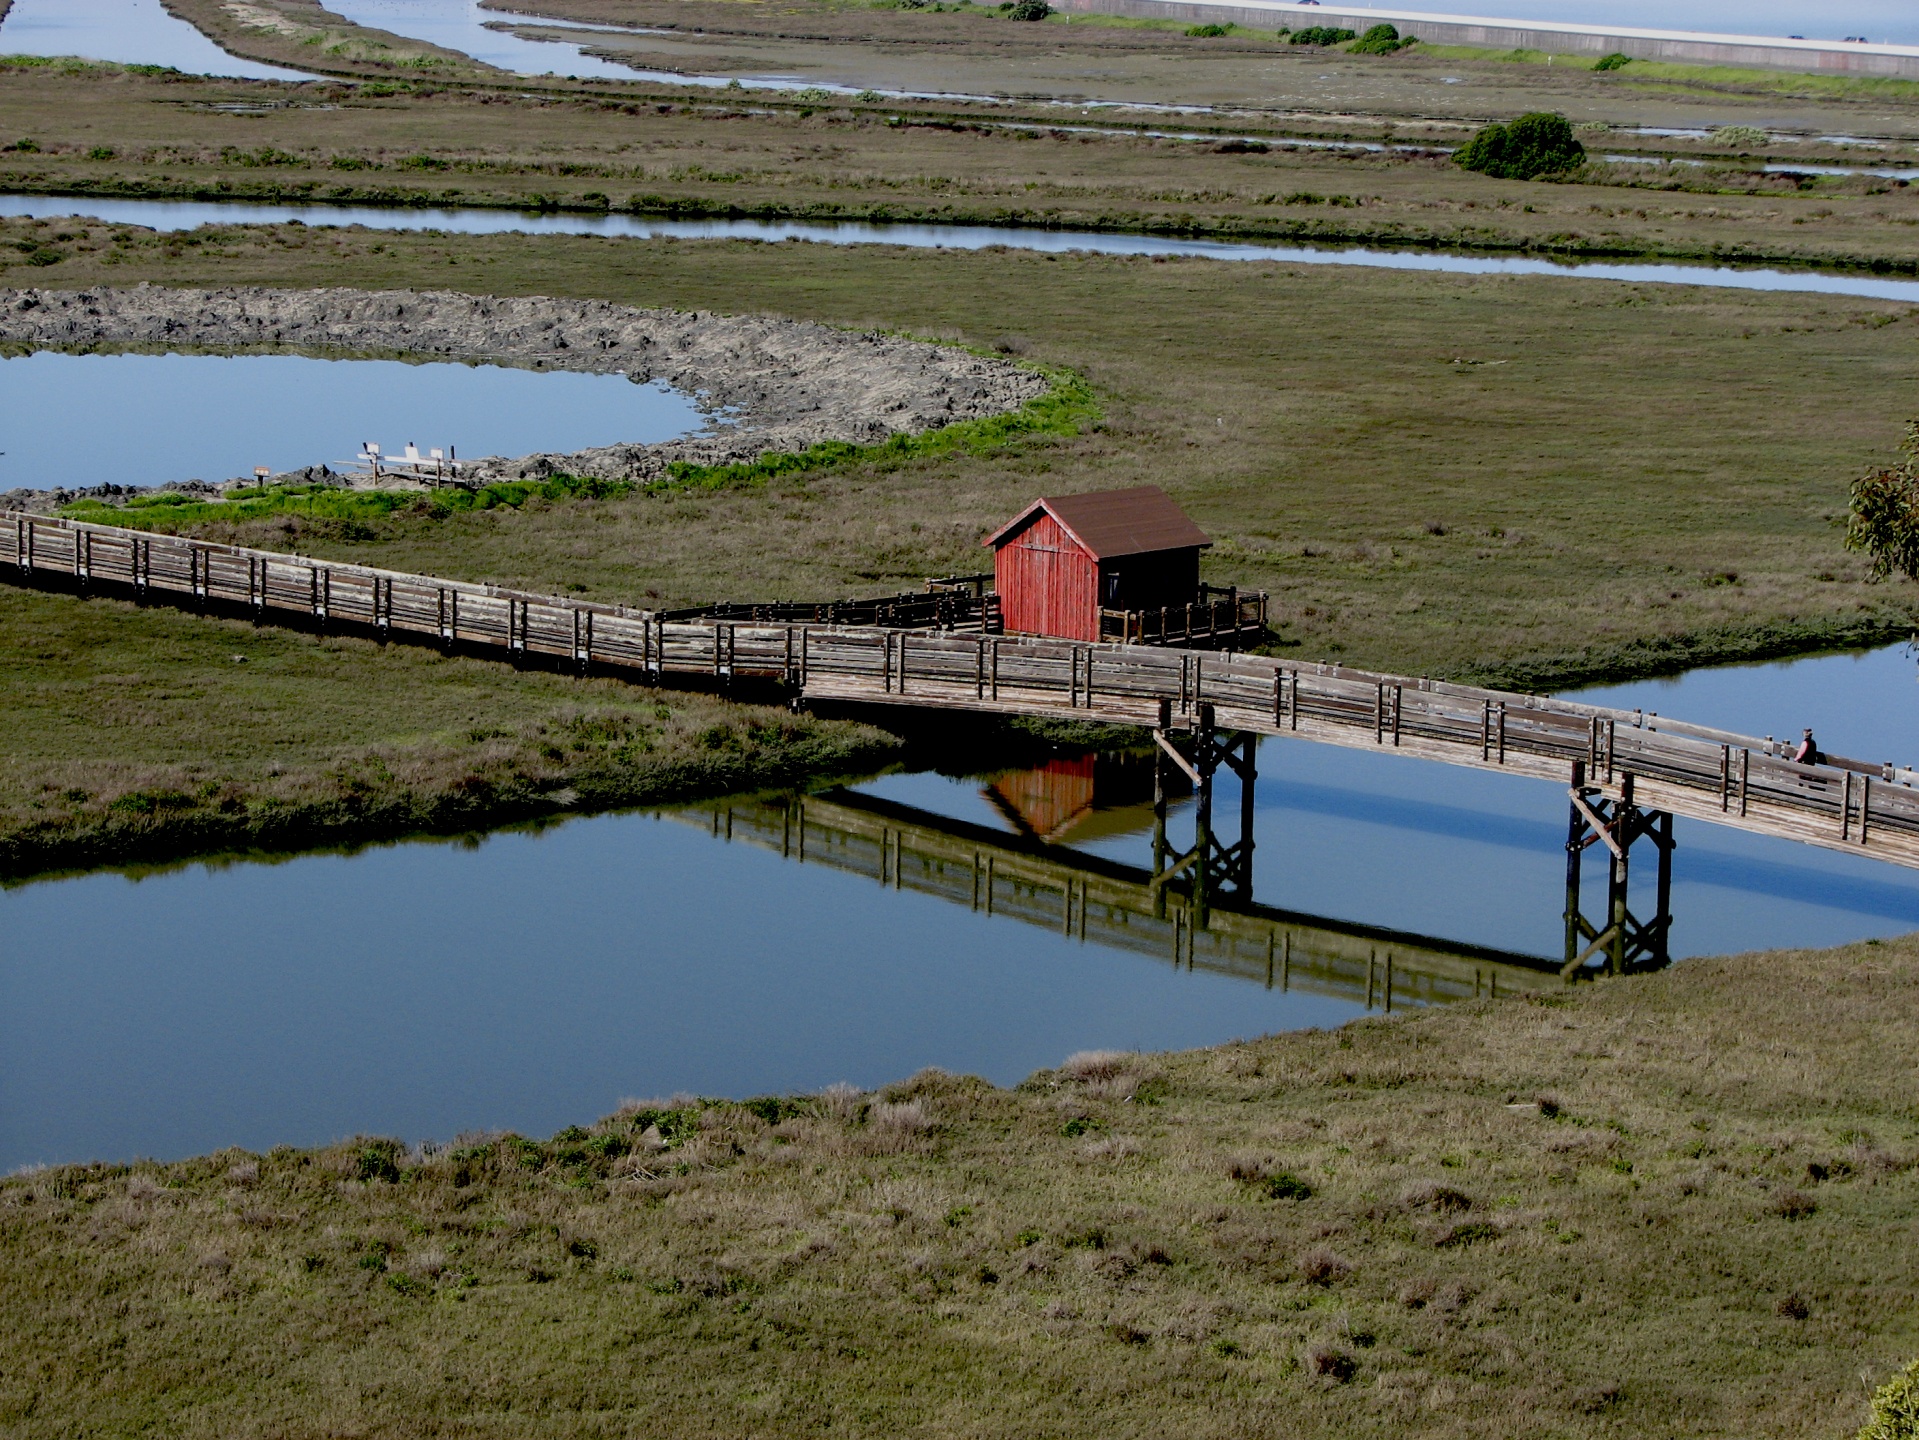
{"points": [[1193, 909]]}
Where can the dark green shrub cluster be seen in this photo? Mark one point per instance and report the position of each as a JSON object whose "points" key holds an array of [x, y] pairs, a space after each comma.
{"points": [[1028, 10], [1614, 61], [1381, 40], [1322, 35], [1208, 32], [1532, 145]]}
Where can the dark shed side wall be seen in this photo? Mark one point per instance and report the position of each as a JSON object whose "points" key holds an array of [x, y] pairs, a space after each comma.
{"points": [[1047, 584], [1157, 579]]}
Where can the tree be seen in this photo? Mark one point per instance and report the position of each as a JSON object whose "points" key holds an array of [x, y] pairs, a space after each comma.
{"points": [[1883, 517], [1532, 145], [1895, 1408]]}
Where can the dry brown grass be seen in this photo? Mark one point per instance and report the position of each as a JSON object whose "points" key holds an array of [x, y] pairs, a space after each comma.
{"points": [[1706, 1232]]}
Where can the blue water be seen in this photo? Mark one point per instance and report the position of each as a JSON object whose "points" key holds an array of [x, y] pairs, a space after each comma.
{"points": [[531, 980], [76, 420], [1893, 22], [460, 25], [130, 32], [188, 214]]}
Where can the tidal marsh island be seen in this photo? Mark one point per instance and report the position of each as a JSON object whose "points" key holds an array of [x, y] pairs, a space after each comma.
{"points": [[1211, 796]]}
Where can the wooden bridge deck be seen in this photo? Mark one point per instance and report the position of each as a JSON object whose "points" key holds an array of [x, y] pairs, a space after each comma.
{"points": [[1088, 898], [1716, 776]]}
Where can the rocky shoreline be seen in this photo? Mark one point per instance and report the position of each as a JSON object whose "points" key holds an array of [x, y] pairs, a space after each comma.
{"points": [[768, 384]]}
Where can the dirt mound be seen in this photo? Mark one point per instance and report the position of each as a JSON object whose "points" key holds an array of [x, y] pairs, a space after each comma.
{"points": [[767, 384]]}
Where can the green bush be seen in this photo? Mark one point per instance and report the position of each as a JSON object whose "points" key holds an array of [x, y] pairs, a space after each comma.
{"points": [[1739, 137], [1895, 1408], [1029, 10], [1322, 35], [1208, 32], [1532, 145], [1614, 61], [1380, 40]]}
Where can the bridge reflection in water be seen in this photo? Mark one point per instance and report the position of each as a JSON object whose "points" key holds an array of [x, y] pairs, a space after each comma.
{"points": [[1185, 916]]}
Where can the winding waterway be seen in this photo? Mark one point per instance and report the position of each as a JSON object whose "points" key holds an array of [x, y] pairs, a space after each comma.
{"points": [[461, 25], [128, 32], [533, 978], [189, 214], [78, 420]]}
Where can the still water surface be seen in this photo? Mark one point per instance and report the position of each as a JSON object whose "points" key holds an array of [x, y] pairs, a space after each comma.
{"points": [[76, 420], [128, 32], [461, 25], [188, 214], [533, 979]]}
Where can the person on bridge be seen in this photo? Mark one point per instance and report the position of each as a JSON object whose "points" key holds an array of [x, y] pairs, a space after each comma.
{"points": [[1808, 751]]}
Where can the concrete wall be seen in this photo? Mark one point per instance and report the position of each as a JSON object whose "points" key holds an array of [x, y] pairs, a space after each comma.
{"points": [[1897, 61]]}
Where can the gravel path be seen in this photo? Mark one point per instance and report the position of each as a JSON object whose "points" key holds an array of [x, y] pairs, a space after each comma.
{"points": [[771, 384]]}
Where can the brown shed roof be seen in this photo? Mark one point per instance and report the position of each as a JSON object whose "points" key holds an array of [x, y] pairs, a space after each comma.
{"points": [[1111, 523]]}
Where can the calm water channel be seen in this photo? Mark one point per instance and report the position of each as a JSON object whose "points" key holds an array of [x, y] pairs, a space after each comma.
{"points": [[129, 32], [461, 25], [188, 214], [75, 420], [533, 979]]}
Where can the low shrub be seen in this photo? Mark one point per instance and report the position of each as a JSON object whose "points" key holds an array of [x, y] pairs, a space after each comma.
{"points": [[1329, 1362], [1430, 1195], [1533, 145], [1321, 1266], [1322, 35], [1739, 137], [1208, 32], [1614, 61], [1380, 40], [1029, 10]]}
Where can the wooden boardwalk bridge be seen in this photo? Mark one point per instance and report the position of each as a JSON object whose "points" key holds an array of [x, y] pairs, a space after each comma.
{"points": [[1123, 907], [1627, 772]]}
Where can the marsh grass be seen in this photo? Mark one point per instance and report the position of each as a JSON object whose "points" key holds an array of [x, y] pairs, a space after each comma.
{"points": [[901, 161], [144, 735], [937, 1257]]}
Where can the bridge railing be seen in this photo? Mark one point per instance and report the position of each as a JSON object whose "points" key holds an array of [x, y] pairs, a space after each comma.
{"points": [[1713, 775]]}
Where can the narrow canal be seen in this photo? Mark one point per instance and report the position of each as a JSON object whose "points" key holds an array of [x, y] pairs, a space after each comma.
{"points": [[189, 214], [534, 978]]}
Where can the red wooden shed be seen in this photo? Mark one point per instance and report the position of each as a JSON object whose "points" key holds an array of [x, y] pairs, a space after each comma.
{"points": [[1064, 558]]}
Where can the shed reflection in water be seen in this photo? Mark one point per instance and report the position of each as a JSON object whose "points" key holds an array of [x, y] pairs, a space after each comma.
{"points": [[1173, 912]]}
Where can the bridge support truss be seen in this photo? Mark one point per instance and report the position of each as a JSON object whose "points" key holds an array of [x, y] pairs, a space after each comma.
{"points": [[1622, 940], [1210, 864]]}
